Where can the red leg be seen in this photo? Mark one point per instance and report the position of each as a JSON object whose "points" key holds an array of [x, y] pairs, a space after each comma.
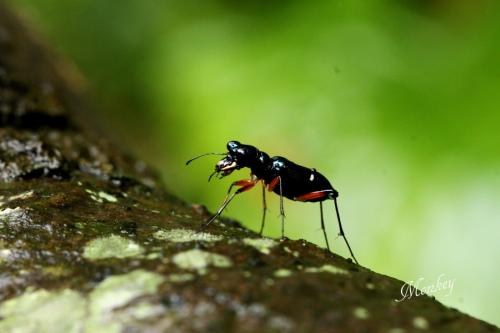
{"points": [[273, 184], [313, 195], [246, 184], [245, 188], [242, 183]]}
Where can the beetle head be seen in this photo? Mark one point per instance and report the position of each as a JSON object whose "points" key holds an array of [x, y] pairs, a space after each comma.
{"points": [[238, 156]]}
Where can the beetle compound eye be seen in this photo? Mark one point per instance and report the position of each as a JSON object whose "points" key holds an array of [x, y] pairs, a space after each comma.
{"points": [[232, 145]]}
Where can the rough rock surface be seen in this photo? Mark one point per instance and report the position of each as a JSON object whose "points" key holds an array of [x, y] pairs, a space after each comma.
{"points": [[90, 242]]}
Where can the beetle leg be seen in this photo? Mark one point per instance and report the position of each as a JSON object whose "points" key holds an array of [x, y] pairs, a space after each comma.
{"points": [[282, 209], [264, 208], [314, 195], [245, 184], [273, 183], [242, 183], [342, 231], [323, 224], [321, 195], [270, 187]]}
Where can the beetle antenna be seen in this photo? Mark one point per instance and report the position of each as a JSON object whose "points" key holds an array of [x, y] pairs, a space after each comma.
{"points": [[194, 158]]}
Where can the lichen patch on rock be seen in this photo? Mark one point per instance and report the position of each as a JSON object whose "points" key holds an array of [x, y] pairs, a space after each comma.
{"points": [[370, 286], [101, 196], [9, 213], [4, 254], [264, 245], [67, 311], [106, 196], [294, 253], [361, 313], [420, 323], [15, 216], [116, 291], [111, 247], [199, 260], [21, 196], [185, 235], [282, 272], [56, 271], [180, 277], [326, 268], [43, 311]]}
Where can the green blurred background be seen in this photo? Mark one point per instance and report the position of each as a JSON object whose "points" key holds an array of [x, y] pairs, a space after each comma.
{"points": [[397, 102]]}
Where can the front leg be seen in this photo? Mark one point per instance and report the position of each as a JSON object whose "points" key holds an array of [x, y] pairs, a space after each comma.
{"points": [[246, 184], [242, 183]]}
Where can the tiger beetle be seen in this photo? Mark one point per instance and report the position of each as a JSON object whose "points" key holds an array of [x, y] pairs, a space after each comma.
{"points": [[278, 175]]}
